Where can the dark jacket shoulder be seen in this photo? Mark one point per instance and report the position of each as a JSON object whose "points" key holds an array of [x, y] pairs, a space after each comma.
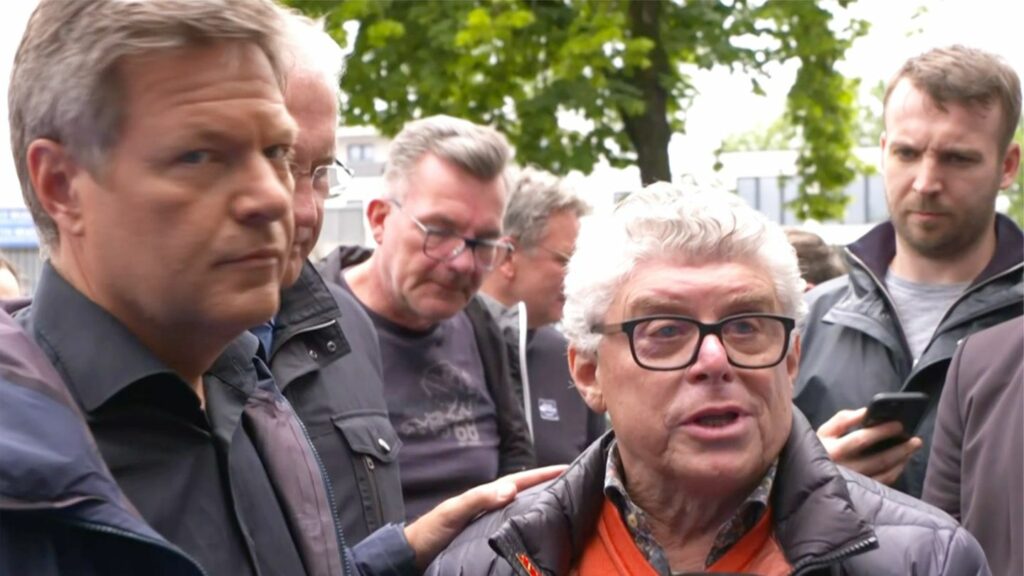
{"points": [[826, 520], [60, 509]]}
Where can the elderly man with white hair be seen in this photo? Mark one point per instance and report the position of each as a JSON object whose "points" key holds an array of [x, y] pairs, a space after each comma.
{"points": [[680, 312]]}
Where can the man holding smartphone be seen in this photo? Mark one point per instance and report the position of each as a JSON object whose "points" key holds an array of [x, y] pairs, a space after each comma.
{"points": [[945, 265]]}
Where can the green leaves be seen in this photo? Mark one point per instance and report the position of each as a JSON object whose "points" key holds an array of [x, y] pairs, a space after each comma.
{"points": [[616, 69]]}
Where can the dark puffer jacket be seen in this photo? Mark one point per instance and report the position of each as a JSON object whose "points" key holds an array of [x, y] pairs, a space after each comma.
{"points": [[60, 510], [853, 345], [827, 520]]}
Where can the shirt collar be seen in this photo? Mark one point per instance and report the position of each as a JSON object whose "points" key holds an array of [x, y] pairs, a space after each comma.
{"points": [[96, 354], [638, 524]]}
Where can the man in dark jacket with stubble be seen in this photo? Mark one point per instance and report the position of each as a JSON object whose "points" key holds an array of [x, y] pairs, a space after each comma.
{"points": [[446, 374], [945, 265], [680, 313]]}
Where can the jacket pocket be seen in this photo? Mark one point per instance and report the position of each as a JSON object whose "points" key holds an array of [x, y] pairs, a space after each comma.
{"points": [[373, 478], [370, 435]]}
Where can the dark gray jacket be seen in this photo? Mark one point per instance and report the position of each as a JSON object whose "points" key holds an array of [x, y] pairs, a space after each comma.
{"points": [[561, 423], [976, 470], [515, 450], [827, 520], [853, 345], [61, 512], [326, 360]]}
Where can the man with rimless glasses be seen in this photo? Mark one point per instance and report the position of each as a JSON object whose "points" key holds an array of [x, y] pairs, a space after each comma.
{"points": [[680, 313], [446, 376]]}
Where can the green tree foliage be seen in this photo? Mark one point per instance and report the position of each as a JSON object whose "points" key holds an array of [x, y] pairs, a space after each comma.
{"points": [[621, 66]]}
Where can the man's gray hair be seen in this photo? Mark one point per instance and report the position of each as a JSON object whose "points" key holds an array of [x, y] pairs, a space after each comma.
{"points": [[309, 49], [534, 196], [479, 150], [662, 222], [65, 86]]}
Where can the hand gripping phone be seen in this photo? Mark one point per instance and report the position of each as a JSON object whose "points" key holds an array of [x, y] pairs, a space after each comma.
{"points": [[908, 408]]}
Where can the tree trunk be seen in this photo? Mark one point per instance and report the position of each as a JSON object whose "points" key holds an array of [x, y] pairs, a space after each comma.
{"points": [[650, 132]]}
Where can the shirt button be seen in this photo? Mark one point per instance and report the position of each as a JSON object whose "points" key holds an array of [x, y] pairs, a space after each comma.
{"points": [[331, 346], [384, 445], [313, 354]]}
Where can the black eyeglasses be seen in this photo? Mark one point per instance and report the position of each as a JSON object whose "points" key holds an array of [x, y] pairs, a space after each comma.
{"points": [[444, 245], [328, 180], [667, 342]]}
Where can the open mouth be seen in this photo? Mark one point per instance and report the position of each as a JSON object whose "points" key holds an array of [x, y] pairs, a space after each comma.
{"points": [[718, 420]]}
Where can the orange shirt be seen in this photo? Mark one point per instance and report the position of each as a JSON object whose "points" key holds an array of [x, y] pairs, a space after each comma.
{"points": [[611, 550]]}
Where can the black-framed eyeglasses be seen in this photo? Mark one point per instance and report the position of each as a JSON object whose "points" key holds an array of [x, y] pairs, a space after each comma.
{"points": [[668, 342], [444, 245], [327, 180]]}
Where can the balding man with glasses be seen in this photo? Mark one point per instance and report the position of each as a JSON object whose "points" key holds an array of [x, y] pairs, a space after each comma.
{"points": [[438, 231]]}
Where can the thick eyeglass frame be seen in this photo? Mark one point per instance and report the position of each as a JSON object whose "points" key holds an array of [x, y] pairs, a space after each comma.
{"points": [[471, 243], [629, 327], [322, 173]]}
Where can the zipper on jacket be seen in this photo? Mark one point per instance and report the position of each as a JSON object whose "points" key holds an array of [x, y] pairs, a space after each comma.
{"points": [[963, 296], [371, 475], [346, 559], [833, 557], [105, 529], [892, 306]]}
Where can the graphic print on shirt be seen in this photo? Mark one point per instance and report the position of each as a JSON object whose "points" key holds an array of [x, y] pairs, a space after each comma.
{"points": [[548, 409], [451, 409]]}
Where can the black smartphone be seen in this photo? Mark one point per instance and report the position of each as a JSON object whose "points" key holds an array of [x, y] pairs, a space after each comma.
{"points": [[907, 408]]}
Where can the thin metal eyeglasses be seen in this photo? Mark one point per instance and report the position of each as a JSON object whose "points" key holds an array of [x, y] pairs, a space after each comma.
{"points": [[669, 342], [327, 180], [444, 245], [561, 257]]}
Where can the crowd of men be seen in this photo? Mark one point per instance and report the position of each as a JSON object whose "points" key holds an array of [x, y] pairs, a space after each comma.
{"points": [[185, 392]]}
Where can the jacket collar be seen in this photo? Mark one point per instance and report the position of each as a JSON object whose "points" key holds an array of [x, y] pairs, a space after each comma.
{"points": [[342, 258], [307, 302], [812, 512], [877, 248]]}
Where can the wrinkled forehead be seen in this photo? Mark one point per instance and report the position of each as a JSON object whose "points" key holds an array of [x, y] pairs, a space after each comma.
{"points": [[680, 285]]}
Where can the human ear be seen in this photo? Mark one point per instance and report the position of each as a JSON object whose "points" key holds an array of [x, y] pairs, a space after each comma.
{"points": [[52, 171], [376, 212], [583, 367]]}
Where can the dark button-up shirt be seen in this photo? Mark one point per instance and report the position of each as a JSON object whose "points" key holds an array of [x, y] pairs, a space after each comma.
{"points": [[194, 475]]}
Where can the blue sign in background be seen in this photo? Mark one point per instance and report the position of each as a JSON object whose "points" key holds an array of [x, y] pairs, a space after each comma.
{"points": [[16, 229]]}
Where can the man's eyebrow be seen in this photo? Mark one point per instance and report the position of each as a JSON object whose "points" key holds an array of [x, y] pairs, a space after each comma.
{"points": [[647, 304], [749, 302]]}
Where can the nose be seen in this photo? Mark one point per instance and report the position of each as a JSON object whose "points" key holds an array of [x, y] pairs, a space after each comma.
{"points": [[465, 262], [265, 193], [712, 363], [304, 204], [927, 179]]}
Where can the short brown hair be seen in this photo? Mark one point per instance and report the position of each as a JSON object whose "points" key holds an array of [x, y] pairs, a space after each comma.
{"points": [[966, 76]]}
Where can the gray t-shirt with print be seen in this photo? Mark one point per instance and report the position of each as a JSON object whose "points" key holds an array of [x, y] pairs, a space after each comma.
{"points": [[439, 404], [920, 308]]}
